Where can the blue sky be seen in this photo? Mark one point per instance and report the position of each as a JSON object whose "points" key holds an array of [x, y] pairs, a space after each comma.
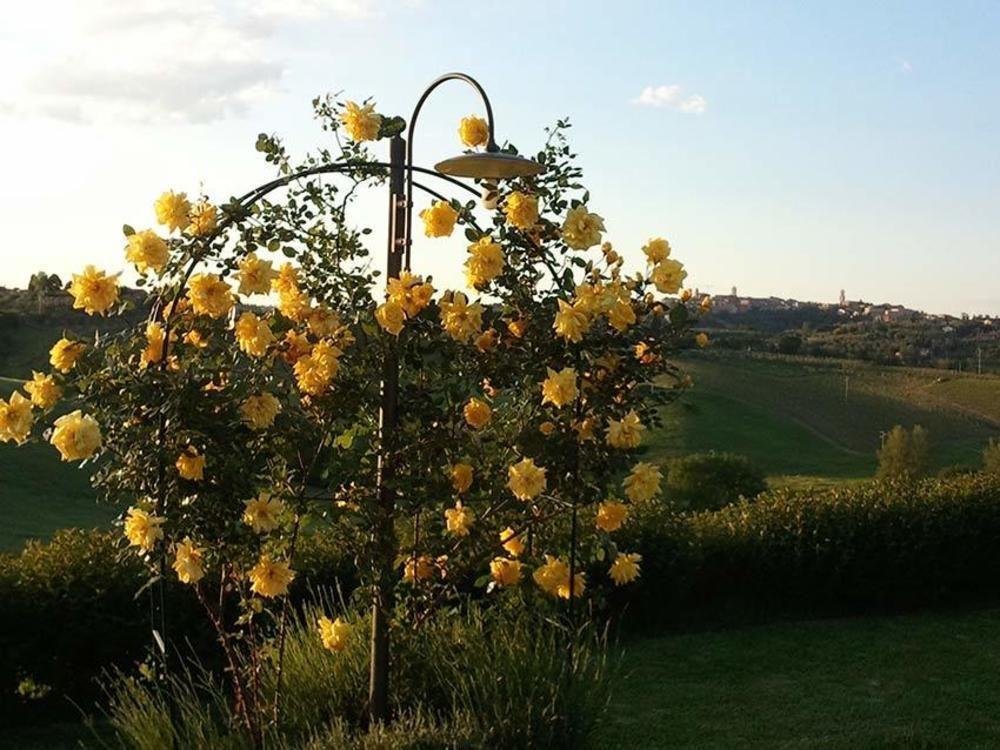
{"points": [[796, 149]]}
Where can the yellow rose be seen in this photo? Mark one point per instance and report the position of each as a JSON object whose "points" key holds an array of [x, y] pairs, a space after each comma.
{"points": [[458, 520], [173, 210], [76, 436], [477, 413], [419, 569], [155, 339], [461, 320], [439, 219], [263, 513], [64, 354], [260, 411], [570, 322], [625, 568], [486, 340], [517, 328], [553, 578], [204, 219], [409, 292], [611, 514], [585, 429], [147, 251], [391, 317], [547, 428], [43, 389], [521, 210], [323, 321], [621, 315], [525, 479], [334, 634], [559, 388], [643, 483], [589, 299], [473, 131], [668, 276], [209, 295], [15, 418], [656, 250], [255, 275], [505, 572], [270, 578], [142, 529], [315, 371], [293, 303], [93, 291], [461, 477], [253, 335], [188, 562], [511, 542], [582, 229], [190, 465], [626, 433], [701, 340], [485, 262], [361, 122]]}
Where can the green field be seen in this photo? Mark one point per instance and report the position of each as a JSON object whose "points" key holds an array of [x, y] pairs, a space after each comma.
{"points": [[820, 418], [919, 681]]}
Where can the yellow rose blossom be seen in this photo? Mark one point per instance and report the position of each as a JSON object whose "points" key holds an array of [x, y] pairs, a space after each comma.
{"points": [[525, 479], [461, 477], [188, 562], [293, 303], [458, 520], [625, 568], [582, 229], [485, 262], [621, 316], [209, 295], [334, 634], [486, 340], [626, 433], [323, 321], [585, 429], [439, 219], [505, 572], [196, 338], [391, 317], [705, 304], [43, 389], [191, 465], [589, 298], [559, 388], [362, 122], [461, 320], [547, 428], [295, 346], [93, 291], [263, 513], [517, 328], [270, 578], [656, 250], [553, 578], [701, 340], [643, 483], [473, 131], [668, 276], [204, 219], [147, 251], [570, 322], [64, 354], [477, 413], [15, 418], [260, 411], [173, 210], [142, 529], [76, 436], [420, 569], [315, 371], [253, 335], [611, 514], [409, 292], [521, 210], [511, 542], [155, 339], [255, 275]]}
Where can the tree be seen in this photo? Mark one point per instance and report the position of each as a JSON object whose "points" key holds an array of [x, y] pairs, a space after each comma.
{"points": [[904, 455], [42, 285]]}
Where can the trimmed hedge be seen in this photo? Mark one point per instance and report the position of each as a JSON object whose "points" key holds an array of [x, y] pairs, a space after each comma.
{"points": [[709, 481]]}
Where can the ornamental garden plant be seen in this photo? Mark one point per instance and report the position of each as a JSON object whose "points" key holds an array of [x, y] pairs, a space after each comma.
{"points": [[243, 416]]}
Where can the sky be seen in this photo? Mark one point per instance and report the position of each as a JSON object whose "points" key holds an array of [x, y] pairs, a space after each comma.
{"points": [[789, 149]]}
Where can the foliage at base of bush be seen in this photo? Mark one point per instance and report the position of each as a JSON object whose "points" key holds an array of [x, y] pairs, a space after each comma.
{"points": [[709, 481]]}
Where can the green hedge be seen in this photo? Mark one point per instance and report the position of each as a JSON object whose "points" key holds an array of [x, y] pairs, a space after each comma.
{"points": [[881, 545]]}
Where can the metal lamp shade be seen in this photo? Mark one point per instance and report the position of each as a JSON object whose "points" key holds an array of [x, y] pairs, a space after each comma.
{"points": [[488, 165]]}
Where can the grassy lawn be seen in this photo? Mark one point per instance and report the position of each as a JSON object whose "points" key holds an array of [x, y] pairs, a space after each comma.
{"points": [[921, 681]]}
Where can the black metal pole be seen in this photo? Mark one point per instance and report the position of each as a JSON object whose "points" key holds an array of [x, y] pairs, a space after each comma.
{"points": [[384, 533]]}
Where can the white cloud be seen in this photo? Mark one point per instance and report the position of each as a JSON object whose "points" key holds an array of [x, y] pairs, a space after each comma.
{"points": [[671, 96], [151, 60]]}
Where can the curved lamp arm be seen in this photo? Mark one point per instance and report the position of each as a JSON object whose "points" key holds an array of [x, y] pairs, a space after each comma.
{"points": [[491, 146]]}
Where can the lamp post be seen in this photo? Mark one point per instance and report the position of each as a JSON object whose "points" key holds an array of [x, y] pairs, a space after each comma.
{"points": [[490, 164]]}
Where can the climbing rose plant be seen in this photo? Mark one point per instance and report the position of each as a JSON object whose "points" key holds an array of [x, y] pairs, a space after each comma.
{"points": [[244, 413]]}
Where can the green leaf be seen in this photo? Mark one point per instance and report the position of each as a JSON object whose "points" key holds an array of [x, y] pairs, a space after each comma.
{"points": [[127, 230]]}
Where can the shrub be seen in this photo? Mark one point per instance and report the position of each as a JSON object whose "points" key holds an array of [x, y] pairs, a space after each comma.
{"points": [[709, 481], [904, 455], [991, 457]]}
